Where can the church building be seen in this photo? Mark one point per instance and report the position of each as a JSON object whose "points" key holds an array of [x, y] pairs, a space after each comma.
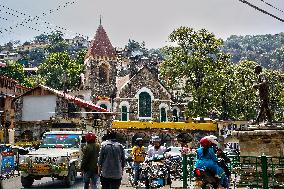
{"points": [[138, 96]]}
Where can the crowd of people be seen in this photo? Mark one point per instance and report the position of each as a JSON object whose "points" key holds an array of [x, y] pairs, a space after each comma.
{"points": [[106, 161]]}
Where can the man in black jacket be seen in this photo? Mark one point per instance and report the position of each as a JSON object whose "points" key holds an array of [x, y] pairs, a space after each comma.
{"points": [[111, 162]]}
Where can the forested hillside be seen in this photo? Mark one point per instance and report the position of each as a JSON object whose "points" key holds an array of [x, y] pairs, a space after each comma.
{"points": [[267, 50]]}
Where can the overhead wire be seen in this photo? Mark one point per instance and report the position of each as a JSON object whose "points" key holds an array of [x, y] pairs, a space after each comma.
{"points": [[269, 4], [37, 18], [261, 10]]}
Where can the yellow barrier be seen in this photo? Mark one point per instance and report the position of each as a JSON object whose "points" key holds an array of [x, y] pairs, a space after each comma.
{"points": [[195, 125]]}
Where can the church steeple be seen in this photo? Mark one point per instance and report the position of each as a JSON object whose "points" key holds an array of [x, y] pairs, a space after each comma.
{"points": [[101, 47]]}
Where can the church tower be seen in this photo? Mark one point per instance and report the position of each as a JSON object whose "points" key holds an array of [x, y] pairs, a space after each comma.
{"points": [[100, 69]]}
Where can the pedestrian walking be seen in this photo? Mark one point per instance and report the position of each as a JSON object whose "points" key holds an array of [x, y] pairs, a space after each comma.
{"points": [[111, 162], [89, 164], [138, 156]]}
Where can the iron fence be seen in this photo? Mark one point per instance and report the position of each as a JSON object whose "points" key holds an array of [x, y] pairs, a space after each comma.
{"points": [[247, 171]]}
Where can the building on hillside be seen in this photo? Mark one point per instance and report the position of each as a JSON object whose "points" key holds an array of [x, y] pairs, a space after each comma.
{"points": [[42, 108], [78, 41], [7, 56], [9, 89], [28, 47]]}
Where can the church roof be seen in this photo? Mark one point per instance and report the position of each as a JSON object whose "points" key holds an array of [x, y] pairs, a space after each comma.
{"points": [[78, 101], [101, 46], [123, 81]]}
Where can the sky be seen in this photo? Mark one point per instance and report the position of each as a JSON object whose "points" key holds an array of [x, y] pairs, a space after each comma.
{"points": [[145, 20]]}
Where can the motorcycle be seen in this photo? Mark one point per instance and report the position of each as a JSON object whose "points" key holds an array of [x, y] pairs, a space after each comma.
{"points": [[205, 179], [174, 164], [156, 173]]}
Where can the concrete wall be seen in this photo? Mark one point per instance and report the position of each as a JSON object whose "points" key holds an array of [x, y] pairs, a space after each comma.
{"points": [[259, 142]]}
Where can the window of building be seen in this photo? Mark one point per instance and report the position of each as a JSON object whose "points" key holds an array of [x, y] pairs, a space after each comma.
{"points": [[103, 106], [163, 114], [124, 113], [175, 115], [145, 105], [103, 74]]}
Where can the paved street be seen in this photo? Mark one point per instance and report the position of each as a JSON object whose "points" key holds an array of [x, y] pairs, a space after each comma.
{"points": [[47, 183]]}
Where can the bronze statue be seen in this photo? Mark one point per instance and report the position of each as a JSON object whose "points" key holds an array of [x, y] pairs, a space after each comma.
{"points": [[263, 92]]}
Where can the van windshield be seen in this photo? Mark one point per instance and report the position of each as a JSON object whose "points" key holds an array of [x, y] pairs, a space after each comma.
{"points": [[61, 141]]}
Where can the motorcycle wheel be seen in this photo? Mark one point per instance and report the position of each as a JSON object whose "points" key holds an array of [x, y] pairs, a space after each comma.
{"points": [[147, 183]]}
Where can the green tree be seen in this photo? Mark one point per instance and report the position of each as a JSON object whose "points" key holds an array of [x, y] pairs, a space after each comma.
{"points": [[80, 56], [243, 97], [37, 55], [13, 70], [196, 59], [59, 71], [57, 43], [42, 38]]}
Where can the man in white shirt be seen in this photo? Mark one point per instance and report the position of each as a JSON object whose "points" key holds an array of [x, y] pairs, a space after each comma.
{"points": [[156, 149]]}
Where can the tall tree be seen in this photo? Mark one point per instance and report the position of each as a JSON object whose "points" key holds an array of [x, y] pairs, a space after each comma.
{"points": [[13, 70], [42, 38], [61, 72], [196, 59], [57, 43]]}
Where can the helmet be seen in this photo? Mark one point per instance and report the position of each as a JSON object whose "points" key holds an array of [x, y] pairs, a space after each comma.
{"points": [[91, 137], [205, 142], [139, 139], [213, 139], [156, 139]]}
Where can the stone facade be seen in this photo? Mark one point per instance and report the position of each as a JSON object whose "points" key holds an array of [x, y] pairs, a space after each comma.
{"points": [[261, 142], [103, 78], [121, 95], [144, 81]]}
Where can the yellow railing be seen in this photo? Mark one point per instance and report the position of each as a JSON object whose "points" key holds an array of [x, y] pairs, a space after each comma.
{"points": [[194, 125]]}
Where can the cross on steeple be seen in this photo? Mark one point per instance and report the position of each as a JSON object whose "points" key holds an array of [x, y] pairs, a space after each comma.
{"points": [[100, 19]]}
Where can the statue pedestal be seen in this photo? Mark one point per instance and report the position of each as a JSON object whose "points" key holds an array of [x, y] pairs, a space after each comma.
{"points": [[259, 140]]}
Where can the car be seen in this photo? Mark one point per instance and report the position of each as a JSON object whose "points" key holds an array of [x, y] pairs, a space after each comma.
{"points": [[58, 156]]}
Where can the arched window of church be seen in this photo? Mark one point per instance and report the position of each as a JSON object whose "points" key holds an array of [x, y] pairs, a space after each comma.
{"points": [[145, 105], [103, 74], [175, 115], [163, 114], [124, 113], [103, 106]]}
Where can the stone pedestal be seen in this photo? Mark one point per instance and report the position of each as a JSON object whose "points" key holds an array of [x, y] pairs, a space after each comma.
{"points": [[259, 141]]}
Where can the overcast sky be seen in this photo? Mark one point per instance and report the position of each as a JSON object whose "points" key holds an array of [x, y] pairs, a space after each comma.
{"points": [[144, 20]]}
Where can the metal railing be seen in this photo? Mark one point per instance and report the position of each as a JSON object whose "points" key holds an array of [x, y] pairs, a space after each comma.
{"points": [[247, 171]]}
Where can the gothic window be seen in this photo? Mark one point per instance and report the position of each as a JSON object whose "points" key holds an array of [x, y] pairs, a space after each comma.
{"points": [[103, 74], [175, 115], [145, 104], [124, 113], [163, 115]]}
